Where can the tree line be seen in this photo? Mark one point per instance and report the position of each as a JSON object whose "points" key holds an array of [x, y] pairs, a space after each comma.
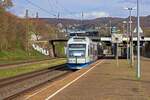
{"points": [[15, 32]]}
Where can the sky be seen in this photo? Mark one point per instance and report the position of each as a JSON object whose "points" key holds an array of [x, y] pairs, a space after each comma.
{"points": [[73, 8]]}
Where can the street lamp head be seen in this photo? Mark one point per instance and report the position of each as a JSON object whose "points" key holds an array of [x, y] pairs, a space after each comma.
{"points": [[125, 8], [124, 22], [129, 8], [130, 22]]}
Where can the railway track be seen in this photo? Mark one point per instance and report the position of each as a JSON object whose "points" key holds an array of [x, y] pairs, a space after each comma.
{"points": [[24, 62], [12, 87]]}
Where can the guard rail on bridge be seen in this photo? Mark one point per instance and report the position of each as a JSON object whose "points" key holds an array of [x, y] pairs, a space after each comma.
{"points": [[103, 39]]}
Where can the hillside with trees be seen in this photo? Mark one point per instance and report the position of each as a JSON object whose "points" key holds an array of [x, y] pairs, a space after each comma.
{"points": [[15, 34], [103, 23]]}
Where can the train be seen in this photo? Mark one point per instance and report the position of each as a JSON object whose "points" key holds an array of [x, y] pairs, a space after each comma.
{"points": [[81, 51]]}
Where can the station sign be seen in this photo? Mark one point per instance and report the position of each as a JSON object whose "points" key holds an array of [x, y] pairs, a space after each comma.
{"points": [[117, 38], [140, 30]]}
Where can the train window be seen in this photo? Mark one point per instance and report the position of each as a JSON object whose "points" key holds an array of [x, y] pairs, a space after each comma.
{"points": [[77, 45], [76, 53], [91, 50], [88, 51], [72, 34]]}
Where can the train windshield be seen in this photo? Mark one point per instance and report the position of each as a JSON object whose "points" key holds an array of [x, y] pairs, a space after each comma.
{"points": [[77, 50], [76, 53]]}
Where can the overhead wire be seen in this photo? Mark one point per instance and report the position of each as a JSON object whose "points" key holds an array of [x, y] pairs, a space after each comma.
{"points": [[44, 10], [67, 10], [54, 4], [50, 5], [58, 5]]}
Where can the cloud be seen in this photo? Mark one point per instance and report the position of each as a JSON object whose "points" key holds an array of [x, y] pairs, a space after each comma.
{"points": [[73, 8], [134, 1], [128, 1], [96, 14], [88, 15]]}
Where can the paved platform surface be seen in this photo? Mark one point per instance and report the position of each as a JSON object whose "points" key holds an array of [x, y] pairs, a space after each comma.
{"points": [[109, 82], [106, 81]]}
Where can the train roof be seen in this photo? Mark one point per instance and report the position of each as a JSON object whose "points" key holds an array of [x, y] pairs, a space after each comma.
{"points": [[84, 31], [78, 32]]}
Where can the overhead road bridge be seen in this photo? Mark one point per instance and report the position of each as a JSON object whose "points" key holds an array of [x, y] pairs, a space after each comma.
{"points": [[101, 39], [106, 40], [96, 39]]}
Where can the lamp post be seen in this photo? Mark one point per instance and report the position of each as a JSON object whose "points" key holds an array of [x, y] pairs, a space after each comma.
{"points": [[138, 43], [125, 22], [131, 37], [82, 15], [110, 23]]}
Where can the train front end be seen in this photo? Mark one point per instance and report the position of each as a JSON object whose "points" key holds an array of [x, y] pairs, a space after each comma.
{"points": [[77, 52]]}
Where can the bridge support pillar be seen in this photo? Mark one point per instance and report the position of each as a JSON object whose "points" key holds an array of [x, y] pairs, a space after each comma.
{"points": [[52, 50]]}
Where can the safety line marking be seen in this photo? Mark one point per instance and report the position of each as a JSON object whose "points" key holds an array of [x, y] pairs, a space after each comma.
{"points": [[51, 96]]}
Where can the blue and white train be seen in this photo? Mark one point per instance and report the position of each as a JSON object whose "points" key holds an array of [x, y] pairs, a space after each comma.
{"points": [[81, 51]]}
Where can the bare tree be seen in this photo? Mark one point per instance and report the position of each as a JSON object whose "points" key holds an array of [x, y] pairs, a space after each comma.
{"points": [[6, 3]]}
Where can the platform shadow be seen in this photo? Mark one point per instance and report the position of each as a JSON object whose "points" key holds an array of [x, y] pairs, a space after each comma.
{"points": [[134, 80]]}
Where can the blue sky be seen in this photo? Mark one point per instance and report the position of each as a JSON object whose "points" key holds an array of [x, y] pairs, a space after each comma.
{"points": [[73, 8]]}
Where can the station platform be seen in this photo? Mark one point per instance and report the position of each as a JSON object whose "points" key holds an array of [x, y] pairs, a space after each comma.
{"points": [[105, 81]]}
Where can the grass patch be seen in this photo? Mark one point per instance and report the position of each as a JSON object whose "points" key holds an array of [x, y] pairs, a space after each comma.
{"points": [[6, 73], [8, 57], [60, 51]]}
